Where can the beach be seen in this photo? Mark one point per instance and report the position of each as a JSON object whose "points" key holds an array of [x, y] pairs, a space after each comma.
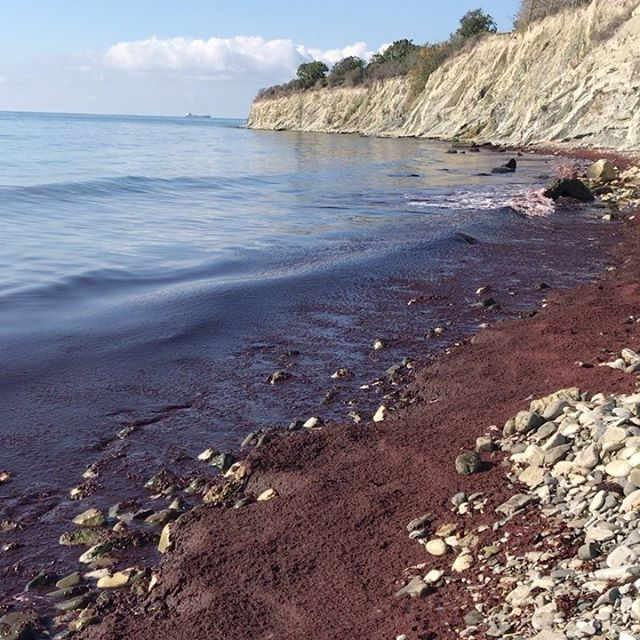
{"points": [[324, 558]]}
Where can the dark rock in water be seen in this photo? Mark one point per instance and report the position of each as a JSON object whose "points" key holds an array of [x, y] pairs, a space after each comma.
{"points": [[509, 167], [452, 151], [468, 463], [569, 188], [21, 625], [278, 376], [223, 461], [413, 175], [542, 285], [295, 425], [474, 149], [163, 482], [43, 579], [467, 238]]}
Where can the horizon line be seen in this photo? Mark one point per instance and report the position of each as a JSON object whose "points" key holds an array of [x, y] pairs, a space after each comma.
{"points": [[115, 115]]}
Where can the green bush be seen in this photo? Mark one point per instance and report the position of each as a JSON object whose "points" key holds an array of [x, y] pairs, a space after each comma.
{"points": [[473, 23], [312, 73]]}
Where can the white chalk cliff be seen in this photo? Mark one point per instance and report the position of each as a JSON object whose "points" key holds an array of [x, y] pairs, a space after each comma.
{"points": [[573, 78]]}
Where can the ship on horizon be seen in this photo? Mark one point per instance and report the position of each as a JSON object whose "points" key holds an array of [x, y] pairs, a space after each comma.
{"points": [[197, 115]]}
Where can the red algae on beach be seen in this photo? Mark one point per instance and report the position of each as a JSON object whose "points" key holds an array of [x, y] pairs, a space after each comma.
{"points": [[323, 558]]}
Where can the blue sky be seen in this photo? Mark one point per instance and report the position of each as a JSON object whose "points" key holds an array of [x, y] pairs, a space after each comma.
{"points": [[169, 57]]}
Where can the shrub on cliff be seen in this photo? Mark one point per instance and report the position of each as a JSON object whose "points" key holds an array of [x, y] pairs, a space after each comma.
{"points": [[349, 71], [312, 73], [532, 10]]}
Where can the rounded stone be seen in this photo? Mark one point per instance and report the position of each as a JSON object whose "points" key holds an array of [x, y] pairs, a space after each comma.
{"points": [[618, 468], [463, 562], [468, 463], [436, 547], [621, 556]]}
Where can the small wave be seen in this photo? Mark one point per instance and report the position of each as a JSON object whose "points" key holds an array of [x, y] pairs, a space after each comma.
{"points": [[124, 185], [531, 203]]}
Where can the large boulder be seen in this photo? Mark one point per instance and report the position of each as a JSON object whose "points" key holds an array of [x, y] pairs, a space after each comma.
{"points": [[569, 188], [603, 170]]}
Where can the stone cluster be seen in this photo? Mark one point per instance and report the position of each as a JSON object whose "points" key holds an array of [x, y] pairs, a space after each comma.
{"points": [[574, 462]]}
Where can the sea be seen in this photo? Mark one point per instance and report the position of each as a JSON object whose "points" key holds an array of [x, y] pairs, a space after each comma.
{"points": [[155, 272]]}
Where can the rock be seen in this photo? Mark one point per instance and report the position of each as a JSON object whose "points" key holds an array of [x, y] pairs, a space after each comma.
{"points": [[618, 575], [544, 616], [473, 618], [634, 477], [313, 422], [635, 609], [20, 625], [532, 477], [415, 589], [433, 576], [632, 501], [87, 536], [621, 556], [602, 170], [207, 454], [588, 551], [525, 421], [379, 344], [587, 458], [267, 495], [96, 552], [380, 414], [436, 547], [115, 581], [509, 167], [516, 503], [418, 524], [463, 562], [613, 439], [278, 376], [569, 188], [165, 539], [5, 476], [89, 518], [341, 373], [485, 443], [468, 463], [618, 468], [223, 461], [556, 454], [72, 580]]}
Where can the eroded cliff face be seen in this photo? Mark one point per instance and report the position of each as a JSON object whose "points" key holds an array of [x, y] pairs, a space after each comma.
{"points": [[573, 78]]}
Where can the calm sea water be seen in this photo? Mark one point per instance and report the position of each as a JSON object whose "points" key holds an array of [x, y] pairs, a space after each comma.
{"points": [[155, 271]]}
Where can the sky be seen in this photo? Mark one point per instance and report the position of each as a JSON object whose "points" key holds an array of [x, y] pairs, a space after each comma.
{"points": [[169, 57]]}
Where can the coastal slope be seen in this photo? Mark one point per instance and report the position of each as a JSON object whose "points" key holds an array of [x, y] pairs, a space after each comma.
{"points": [[571, 79]]}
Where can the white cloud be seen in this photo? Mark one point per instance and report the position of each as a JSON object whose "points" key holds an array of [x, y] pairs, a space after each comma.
{"points": [[222, 57]]}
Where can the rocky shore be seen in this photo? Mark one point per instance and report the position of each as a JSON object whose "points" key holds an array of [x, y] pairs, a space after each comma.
{"points": [[432, 520]]}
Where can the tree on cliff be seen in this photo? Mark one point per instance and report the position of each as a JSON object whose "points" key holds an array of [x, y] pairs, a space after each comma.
{"points": [[309, 73], [474, 22]]}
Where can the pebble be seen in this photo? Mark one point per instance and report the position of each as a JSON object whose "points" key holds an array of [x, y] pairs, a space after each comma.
{"points": [[380, 414], [165, 539], [415, 589], [436, 547], [463, 562], [266, 495], [115, 581], [618, 468], [89, 518]]}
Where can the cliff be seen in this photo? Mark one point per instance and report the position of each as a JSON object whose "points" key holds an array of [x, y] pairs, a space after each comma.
{"points": [[573, 78]]}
